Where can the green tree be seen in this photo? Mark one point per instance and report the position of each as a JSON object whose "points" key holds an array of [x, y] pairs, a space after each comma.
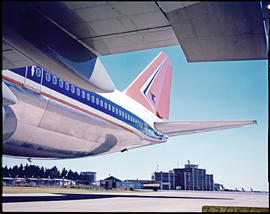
{"points": [[76, 176], [27, 171], [47, 173], [64, 173], [70, 175], [37, 172], [41, 173], [20, 171], [14, 171], [54, 172], [5, 171]]}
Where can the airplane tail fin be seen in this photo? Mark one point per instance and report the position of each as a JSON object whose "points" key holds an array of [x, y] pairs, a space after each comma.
{"points": [[152, 88]]}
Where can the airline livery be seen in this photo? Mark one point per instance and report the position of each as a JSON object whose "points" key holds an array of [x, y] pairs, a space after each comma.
{"points": [[46, 117]]}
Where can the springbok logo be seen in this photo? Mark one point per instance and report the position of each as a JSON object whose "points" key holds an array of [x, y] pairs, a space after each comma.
{"points": [[145, 89]]}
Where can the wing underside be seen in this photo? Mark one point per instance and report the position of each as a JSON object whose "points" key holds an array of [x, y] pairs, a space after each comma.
{"points": [[112, 27], [191, 127]]}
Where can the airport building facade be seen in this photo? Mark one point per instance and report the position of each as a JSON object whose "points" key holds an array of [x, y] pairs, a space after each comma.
{"points": [[166, 179], [90, 177], [188, 178]]}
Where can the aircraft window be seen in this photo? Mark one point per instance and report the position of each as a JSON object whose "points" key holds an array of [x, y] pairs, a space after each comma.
{"points": [[54, 80], [88, 96], [38, 72], [120, 112], [83, 94], [78, 91], [109, 107], [61, 83], [116, 110], [92, 98], [123, 114], [72, 89], [97, 100], [112, 108], [48, 77], [66, 86], [101, 103], [105, 105], [126, 115]]}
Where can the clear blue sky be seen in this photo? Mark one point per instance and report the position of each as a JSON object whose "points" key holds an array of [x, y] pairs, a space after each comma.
{"points": [[234, 90]]}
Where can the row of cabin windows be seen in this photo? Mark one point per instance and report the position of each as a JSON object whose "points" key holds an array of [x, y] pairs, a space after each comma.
{"points": [[115, 110], [96, 100], [38, 72]]}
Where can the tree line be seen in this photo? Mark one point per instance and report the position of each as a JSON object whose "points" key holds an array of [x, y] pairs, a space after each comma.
{"points": [[33, 171]]}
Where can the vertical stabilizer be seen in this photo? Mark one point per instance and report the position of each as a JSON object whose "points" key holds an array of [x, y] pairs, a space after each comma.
{"points": [[152, 88]]}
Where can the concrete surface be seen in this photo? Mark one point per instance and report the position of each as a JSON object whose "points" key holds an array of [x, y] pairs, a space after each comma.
{"points": [[148, 201]]}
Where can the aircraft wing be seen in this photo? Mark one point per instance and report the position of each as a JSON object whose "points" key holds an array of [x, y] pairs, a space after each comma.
{"points": [[192, 127], [206, 31], [31, 37], [66, 37]]}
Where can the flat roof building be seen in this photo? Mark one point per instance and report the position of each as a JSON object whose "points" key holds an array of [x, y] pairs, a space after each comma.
{"points": [[164, 178], [90, 176], [189, 178], [87, 178]]}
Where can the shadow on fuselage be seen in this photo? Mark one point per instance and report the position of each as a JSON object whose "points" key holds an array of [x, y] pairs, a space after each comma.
{"points": [[13, 147]]}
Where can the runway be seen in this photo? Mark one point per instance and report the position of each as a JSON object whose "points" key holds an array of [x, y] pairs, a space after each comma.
{"points": [[147, 201]]}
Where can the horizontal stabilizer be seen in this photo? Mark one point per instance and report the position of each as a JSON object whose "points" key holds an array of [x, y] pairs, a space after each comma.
{"points": [[192, 127]]}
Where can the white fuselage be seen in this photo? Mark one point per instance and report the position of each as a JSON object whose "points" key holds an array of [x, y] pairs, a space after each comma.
{"points": [[54, 119]]}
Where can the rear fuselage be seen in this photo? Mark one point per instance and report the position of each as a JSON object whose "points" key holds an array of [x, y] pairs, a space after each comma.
{"points": [[54, 119]]}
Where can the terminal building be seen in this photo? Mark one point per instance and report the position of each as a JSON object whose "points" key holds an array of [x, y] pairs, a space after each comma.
{"points": [[166, 179], [188, 178]]}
